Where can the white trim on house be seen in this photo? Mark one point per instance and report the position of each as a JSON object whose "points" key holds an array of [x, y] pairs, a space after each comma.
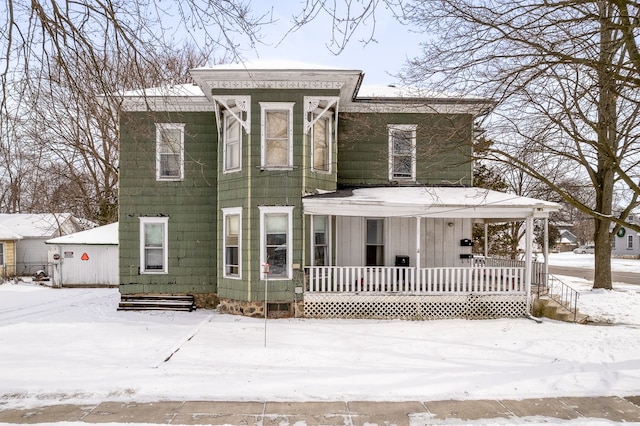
{"points": [[165, 244], [160, 127], [394, 175], [265, 108], [277, 210], [226, 212]]}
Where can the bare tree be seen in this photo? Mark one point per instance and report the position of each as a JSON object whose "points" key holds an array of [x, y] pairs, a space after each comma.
{"points": [[565, 73]]}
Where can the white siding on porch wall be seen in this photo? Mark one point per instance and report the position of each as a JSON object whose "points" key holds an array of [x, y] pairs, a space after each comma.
{"points": [[439, 242]]}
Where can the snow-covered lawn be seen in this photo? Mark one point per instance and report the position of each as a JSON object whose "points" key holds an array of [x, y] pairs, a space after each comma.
{"points": [[73, 346]]}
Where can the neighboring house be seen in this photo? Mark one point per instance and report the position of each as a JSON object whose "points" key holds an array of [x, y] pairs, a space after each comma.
{"points": [[8, 240], [87, 258], [35, 229], [359, 200], [626, 242], [567, 241]]}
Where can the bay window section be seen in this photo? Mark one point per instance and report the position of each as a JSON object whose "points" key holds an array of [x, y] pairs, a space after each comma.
{"points": [[154, 245], [275, 240], [277, 135], [232, 144], [321, 144], [232, 224]]}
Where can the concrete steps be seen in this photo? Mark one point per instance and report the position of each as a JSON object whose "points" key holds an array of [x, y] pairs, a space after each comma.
{"points": [[546, 307]]}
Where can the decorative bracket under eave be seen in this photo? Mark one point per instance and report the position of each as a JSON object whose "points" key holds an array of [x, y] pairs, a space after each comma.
{"points": [[312, 103], [236, 106]]}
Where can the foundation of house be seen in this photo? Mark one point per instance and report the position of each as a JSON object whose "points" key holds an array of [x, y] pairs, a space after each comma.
{"points": [[256, 309]]}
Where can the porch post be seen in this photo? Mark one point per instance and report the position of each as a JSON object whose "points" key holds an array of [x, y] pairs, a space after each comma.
{"points": [[546, 250], [418, 232], [527, 259], [486, 241]]}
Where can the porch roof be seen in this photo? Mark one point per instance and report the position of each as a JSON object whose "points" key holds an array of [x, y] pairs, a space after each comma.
{"points": [[480, 204]]}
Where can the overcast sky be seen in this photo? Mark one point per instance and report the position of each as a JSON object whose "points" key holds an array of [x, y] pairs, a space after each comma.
{"points": [[379, 60]]}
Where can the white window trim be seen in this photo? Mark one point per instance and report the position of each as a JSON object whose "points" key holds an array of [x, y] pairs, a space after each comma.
{"points": [[225, 169], [278, 106], [169, 126], [165, 245], [328, 240], [329, 117], [403, 127], [385, 239], [630, 242], [231, 211], [267, 210]]}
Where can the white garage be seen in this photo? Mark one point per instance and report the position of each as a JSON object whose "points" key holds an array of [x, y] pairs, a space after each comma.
{"points": [[87, 258]]}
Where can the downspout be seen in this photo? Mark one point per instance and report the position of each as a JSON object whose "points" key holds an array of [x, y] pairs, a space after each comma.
{"points": [[418, 248], [249, 227], [486, 241], [546, 251]]}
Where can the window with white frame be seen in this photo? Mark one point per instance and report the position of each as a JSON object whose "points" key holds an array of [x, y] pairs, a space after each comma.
{"points": [[232, 242], [169, 151], [630, 242], [402, 151], [232, 143], [321, 144], [374, 245], [320, 238], [275, 240], [277, 135], [154, 245]]}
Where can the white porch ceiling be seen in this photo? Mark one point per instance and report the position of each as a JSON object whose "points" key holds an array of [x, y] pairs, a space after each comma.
{"points": [[482, 205]]}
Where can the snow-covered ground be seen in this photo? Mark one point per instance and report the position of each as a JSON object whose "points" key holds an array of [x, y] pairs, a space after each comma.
{"points": [[73, 346]]}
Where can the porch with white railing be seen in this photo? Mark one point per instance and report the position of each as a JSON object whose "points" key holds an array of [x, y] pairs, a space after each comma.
{"points": [[408, 280], [415, 293]]}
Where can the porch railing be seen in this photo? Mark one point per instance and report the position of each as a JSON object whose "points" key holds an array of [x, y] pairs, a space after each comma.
{"points": [[389, 279]]}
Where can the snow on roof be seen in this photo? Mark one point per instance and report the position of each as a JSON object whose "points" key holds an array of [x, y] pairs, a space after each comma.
{"points": [[102, 235], [8, 234], [271, 65], [444, 202], [176, 90], [34, 224]]}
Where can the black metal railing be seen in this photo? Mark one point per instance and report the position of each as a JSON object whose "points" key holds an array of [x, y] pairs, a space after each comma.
{"points": [[562, 293]]}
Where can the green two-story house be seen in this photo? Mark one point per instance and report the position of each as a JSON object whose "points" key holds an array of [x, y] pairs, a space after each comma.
{"points": [[296, 186]]}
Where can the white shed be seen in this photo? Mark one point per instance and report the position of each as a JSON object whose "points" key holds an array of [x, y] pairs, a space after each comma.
{"points": [[87, 258]]}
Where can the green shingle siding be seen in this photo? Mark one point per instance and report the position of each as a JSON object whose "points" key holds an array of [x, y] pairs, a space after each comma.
{"points": [[189, 204]]}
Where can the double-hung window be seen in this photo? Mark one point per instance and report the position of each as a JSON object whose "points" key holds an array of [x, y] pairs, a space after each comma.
{"points": [[232, 143], [402, 152], [374, 245], [275, 240], [630, 242], [2, 254], [169, 151], [321, 144], [154, 245], [232, 242], [277, 135], [320, 238]]}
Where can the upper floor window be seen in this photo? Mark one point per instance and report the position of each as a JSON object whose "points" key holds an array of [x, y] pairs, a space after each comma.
{"points": [[232, 143], [321, 144], [169, 151], [402, 151], [154, 245], [232, 242], [277, 135]]}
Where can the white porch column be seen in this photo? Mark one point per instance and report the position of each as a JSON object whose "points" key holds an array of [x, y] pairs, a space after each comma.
{"points": [[527, 260], [546, 250], [418, 248], [486, 241]]}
